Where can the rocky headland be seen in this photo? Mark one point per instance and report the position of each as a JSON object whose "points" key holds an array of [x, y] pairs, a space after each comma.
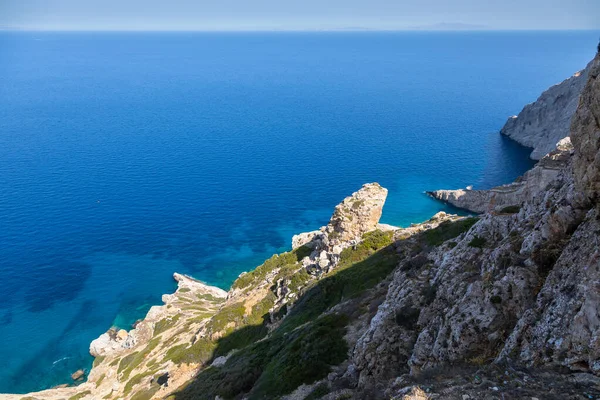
{"points": [[499, 306], [509, 197], [543, 123]]}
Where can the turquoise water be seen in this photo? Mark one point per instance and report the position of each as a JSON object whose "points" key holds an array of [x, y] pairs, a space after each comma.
{"points": [[127, 157]]}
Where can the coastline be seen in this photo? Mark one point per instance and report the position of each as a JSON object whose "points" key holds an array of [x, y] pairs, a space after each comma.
{"points": [[198, 325]]}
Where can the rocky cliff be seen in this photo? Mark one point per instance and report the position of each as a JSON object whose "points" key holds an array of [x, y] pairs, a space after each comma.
{"points": [[541, 124], [508, 198], [500, 306]]}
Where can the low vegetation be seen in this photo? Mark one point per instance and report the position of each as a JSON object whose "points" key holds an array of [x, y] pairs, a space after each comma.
{"points": [[81, 395], [276, 365], [448, 230], [510, 210], [273, 263], [133, 360], [478, 242], [307, 343], [165, 324], [360, 268]]}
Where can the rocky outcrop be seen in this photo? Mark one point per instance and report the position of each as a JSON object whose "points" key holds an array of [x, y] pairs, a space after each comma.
{"points": [[133, 362], [306, 238], [586, 137], [511, 196], [356, 215], [541, 124], [116, 341], [351, 219]]}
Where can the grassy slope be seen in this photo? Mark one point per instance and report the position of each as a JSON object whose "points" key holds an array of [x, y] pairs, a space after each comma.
{"points": [[309, 340]]}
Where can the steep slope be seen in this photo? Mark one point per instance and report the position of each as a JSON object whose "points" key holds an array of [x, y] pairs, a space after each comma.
{"points": [[541, 124], [518, 288]]}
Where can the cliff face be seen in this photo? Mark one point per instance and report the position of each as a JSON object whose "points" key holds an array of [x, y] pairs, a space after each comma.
{"points": [[520, 288], [586, 137], [541, 124], [502, 306], [508, 198]]}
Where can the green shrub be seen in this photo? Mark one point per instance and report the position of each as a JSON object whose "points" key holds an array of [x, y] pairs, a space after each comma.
{"points": [[99, 380], [133, 360], [80, 395], [307, 343], [546, 255], [478, 242], [209, 297], [510, 210], [252, 328], [496, 299], [146, 394], [359, 269], [276, 365], [448, 230], [321, 390], [307, 356], [372, 241], [97, 361], [135, 380], [165, 324], [200, 352], [302, 251], [259, 274]]}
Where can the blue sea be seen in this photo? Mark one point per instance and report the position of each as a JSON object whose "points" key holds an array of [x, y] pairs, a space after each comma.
{"points": [[125, 157]]}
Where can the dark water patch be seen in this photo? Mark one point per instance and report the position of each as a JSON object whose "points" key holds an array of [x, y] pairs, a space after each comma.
{"points": [[57, 283], [54, 363], [6, 318]]}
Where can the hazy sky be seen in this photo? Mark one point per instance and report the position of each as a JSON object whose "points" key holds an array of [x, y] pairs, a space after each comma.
{"points": [[298, 14]]}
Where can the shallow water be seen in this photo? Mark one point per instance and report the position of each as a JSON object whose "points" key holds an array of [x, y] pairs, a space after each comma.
{"points": [[127, 157]]}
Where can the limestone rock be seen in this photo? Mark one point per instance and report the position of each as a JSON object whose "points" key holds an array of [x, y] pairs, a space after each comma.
{"points": [[531, 183], [351, 219], [78, 375], [356, 215], [306, 238], [106, 343], [541, 124], [586, 137], [122, 334]]}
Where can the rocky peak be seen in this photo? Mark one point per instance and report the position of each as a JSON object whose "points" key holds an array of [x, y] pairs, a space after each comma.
{"points": [[586, 136], [356, 215], [351, 219]]}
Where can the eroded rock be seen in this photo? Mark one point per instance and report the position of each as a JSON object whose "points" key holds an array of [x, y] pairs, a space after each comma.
{"points": [[541, 124]]}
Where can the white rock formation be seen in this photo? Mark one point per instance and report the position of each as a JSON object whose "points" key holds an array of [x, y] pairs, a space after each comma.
{"points": [[351, 219], [547, 120], [513, 194]]}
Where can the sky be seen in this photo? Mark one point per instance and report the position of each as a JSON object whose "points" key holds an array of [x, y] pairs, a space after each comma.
{"points": [[298, 14]]}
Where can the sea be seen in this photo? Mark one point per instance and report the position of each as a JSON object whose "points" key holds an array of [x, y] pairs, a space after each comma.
{"points": [[128, 156]]}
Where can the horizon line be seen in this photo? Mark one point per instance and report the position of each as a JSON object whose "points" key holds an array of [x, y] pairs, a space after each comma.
{"points": [[316, 30]]}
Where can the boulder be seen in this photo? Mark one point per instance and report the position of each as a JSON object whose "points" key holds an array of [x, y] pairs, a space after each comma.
{"points": [[78, 375]]}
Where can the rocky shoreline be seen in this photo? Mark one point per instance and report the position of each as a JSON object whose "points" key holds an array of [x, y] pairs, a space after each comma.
{"points": [[509, 197]]}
